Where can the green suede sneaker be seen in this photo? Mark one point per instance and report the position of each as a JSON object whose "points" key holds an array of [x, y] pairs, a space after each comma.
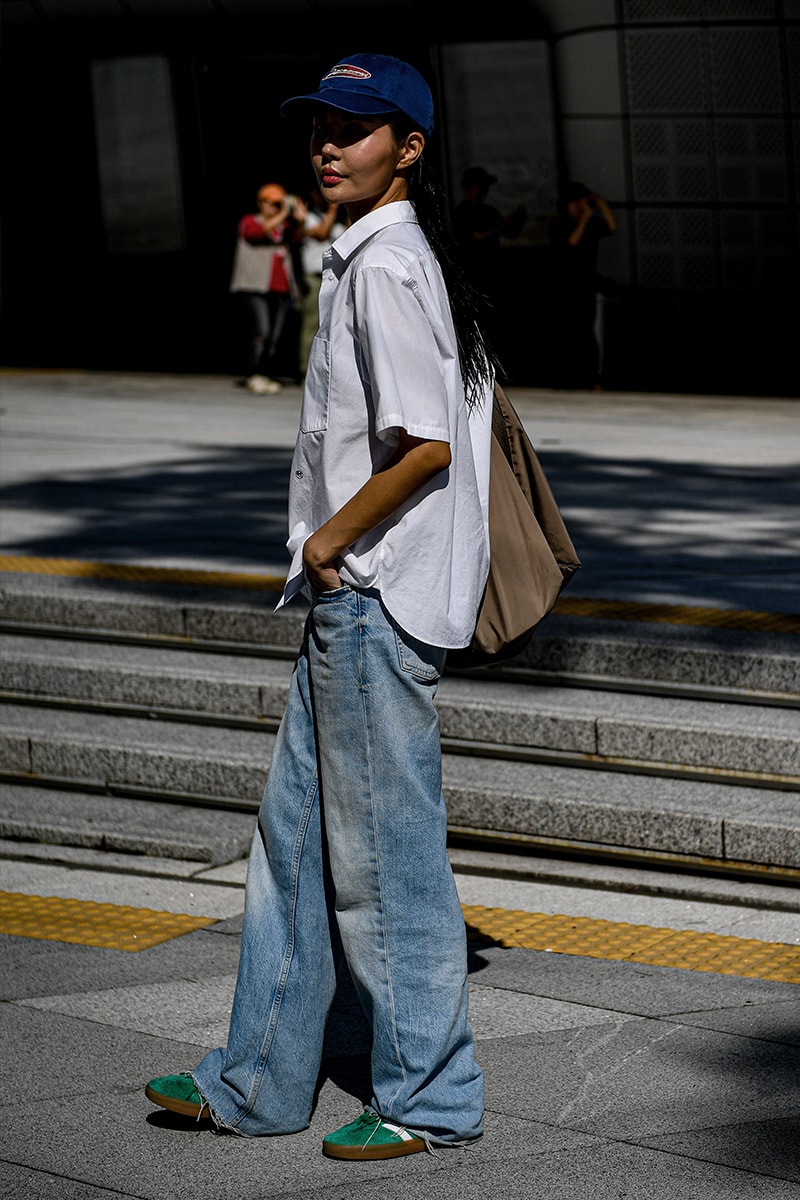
{"points": [[178, 1094], [369, 1136]]}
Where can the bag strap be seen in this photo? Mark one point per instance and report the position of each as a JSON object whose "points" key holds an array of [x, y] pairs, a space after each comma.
{"points": [[500, 427]]}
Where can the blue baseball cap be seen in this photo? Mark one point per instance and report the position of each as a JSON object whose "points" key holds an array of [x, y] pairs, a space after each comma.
{"points": [[371, 84]]}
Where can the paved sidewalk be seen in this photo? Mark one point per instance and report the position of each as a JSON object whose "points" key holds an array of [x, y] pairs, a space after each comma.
{"points": [[604, 1079], [675, 499]]}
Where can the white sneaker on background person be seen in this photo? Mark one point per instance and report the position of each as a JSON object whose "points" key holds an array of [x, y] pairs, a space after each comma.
{"points": [[260, 385]]}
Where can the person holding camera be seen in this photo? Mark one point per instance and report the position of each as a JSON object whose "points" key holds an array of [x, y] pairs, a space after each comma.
{"points": [[264, 281], [583, 220]]}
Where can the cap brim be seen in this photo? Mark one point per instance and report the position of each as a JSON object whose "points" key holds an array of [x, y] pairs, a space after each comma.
{"points": [[361, 105]]}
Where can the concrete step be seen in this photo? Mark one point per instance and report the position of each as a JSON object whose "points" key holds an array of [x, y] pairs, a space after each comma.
{"points": [[159, 758], [144, 676], [618, 737], [175, 613], [115, 824], [631, 730], [751, 664], [519, 801], [759, 742]]}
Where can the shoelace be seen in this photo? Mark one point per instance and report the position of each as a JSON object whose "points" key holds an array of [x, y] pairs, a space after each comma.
{"points": [[399, 1129]]}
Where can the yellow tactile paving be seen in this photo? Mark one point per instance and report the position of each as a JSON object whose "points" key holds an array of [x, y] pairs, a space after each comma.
{"points": [[575, 606], [119, 927], [87, 923], [618, 940]]}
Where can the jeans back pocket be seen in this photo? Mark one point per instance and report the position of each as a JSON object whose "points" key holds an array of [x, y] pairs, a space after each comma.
{"points": [[418, 658]]}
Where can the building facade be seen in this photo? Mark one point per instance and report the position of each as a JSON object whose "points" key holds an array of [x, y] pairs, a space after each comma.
{"points": [[136, 133]]}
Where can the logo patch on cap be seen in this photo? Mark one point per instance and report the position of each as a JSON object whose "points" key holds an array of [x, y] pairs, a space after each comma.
{"points": [[348, 72]]}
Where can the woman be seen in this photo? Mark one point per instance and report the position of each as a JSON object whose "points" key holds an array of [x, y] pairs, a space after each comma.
{"points": [[388, 534]]}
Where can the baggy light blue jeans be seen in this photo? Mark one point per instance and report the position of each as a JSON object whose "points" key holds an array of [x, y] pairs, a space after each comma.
{"points": [[349, 855]]}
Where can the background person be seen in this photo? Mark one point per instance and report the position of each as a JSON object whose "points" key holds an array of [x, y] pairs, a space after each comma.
{"points": [[320, 230], [263, 280], [583, 220], [479, 228]]}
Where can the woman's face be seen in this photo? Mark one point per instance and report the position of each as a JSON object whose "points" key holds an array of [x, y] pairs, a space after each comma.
{"points": [[356, 160]]}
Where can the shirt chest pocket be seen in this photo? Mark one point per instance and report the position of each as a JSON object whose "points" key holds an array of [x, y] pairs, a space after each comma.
{"points": [[317, 391]]}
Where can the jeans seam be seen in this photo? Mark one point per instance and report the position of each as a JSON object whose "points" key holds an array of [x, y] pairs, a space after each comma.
{"points": [[288, 955], [365, 693]]}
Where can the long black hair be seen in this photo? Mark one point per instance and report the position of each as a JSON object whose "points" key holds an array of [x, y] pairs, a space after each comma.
{"points": [[477, 358]]}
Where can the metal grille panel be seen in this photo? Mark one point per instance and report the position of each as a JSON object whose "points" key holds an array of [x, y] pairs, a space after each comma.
{"points": [[671, 160], [637, 12], [740, 10], [676, 248], [708, 126], [666, 71], [659, 10], [756, 249], [745, 70], [793, 61], [751, 160]]}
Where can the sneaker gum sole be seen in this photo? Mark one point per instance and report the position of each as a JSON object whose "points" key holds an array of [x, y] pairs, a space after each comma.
{"points": [[184, 1107], [364, 1153]]}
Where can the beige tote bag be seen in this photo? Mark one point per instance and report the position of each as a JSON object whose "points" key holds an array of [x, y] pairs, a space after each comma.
{"points": [[532, 555]]}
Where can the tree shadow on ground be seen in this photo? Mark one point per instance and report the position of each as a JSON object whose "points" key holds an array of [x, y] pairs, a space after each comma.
{"points": [[641, 526], [694, 532], [224, 510]]}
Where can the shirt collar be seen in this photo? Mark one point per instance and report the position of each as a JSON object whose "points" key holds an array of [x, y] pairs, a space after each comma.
{"points": [[362, 230]]}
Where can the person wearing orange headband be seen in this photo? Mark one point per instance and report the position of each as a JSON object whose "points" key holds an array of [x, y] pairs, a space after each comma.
{"points": [[264, 281]]}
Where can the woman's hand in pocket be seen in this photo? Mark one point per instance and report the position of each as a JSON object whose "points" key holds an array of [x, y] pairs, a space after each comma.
{"points": [[319, 565]]}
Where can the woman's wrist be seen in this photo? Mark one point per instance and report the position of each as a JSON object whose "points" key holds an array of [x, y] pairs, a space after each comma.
{"points": [[318, 552]]}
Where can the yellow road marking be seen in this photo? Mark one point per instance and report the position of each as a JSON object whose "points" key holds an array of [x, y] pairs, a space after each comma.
{"points": [[620, 941], [87, 923], [678, 614], [574, 606], [120, 927], [132, 573]]}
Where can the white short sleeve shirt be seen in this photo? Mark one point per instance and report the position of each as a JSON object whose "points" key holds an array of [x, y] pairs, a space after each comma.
{"points": [[385, 359]]}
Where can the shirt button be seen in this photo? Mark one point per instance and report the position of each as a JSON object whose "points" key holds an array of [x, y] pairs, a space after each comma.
{"points": [[298, 474]]}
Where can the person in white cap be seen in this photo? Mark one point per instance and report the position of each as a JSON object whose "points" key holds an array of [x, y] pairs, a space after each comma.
{"points": [[389, 541]]}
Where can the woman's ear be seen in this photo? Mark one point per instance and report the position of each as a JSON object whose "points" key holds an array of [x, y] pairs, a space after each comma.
{"points": [[410, 149]]}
